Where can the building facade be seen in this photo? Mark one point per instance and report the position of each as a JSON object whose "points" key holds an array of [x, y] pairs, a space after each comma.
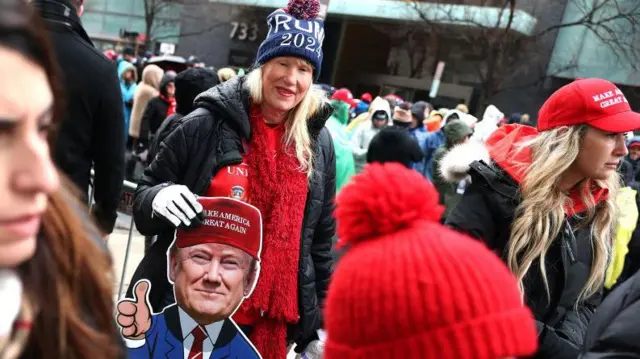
{"points": [[105, 20], [392, 46]]}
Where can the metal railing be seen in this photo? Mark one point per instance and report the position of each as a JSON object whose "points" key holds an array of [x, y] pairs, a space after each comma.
{"points": [[126, 207]]}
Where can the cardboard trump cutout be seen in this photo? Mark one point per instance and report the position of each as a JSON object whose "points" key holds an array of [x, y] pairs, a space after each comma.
{"points": [[213, 268]]}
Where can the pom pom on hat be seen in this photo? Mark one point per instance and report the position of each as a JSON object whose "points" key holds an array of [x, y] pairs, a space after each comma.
{"points": [[295, 31], [384, 199], [303, 9]]}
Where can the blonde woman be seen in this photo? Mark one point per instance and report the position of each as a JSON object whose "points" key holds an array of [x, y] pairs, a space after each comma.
{"points": [[258, 138], [546, 203]]}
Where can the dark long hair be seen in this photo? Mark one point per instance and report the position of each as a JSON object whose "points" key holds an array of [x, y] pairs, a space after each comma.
{"points": [[68, 280]]}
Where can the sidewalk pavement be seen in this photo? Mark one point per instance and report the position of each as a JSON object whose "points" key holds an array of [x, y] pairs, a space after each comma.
{"points": [[117, 244]]}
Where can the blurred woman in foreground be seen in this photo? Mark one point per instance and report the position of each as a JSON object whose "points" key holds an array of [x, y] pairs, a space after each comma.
{"points": [[55, 290]]}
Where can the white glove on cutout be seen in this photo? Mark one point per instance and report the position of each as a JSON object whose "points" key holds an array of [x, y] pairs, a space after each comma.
{"points": [[177, 205]]}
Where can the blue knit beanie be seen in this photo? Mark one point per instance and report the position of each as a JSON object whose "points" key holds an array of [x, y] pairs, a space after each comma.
{"points": [[295, 31]]}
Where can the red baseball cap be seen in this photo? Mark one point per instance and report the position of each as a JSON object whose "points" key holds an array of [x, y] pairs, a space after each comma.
{"points": [[366, 97], [227, 221], [344, 95], [596, 102]]}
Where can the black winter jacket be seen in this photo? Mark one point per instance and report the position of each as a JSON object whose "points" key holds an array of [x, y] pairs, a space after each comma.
{"points": [[152, 117], [614, 331], [168, 125], [486, 211], [208, 139], [189, 84], [91, 132]]}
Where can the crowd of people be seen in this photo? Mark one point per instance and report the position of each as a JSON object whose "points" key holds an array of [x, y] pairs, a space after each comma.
{"points": [[386, 229]]}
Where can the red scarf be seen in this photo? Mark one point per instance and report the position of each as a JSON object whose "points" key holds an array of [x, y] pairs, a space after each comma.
{"points": [[172, 104], [279, 190]]}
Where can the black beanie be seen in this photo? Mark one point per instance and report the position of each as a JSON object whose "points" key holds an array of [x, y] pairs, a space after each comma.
{"points": [[394, 144], [189, 84]]}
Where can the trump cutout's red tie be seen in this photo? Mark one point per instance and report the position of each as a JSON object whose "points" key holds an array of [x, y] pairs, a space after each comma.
{"points": [[199, 335]]}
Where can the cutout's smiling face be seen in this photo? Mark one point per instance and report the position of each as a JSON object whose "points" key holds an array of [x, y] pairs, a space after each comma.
{"points": [[211, 279]]}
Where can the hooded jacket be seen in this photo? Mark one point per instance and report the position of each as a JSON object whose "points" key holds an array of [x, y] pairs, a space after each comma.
{"points": [[128, 91], [189, 84], [210, 138], [445, 177], [490, 120], [486, 212], [147, 89], [157, 110], [91, 132], [364, 133], [615, 328], [434, 140], [345, 166], [363, 117]]}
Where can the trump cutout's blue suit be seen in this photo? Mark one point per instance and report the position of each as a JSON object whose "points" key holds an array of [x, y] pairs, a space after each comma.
{"points": [[163, 340]]}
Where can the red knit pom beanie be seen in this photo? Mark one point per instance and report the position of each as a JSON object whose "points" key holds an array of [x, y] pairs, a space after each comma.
{"points": [[409, 287]]}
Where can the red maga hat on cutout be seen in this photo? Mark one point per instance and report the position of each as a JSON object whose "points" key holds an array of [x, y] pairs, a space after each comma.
{"points": [[227, 221]]}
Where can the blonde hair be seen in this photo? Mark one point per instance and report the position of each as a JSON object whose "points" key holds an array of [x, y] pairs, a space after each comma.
{"points": [[296, 130], [540, 216], [226, 74]]}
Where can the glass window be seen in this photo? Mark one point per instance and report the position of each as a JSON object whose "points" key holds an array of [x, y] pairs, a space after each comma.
{"points": [[113, 24], [138, 7], [93, 23], [138, 24], [168, 31], [120, 6], [95, 5]]}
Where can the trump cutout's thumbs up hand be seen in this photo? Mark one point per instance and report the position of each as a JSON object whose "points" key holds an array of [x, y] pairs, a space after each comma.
{"points": [[134, 316]]}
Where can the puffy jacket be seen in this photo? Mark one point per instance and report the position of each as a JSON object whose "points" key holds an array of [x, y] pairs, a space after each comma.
{"points": [[486, 212], [345, 167], [615, 328], [189, 84], [210, 138]]}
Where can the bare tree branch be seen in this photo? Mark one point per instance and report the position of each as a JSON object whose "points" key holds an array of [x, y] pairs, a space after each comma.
{"points": [[499, 54]]}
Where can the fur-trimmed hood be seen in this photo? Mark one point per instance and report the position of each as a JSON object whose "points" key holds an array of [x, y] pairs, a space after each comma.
{"points": [[456, 162]]}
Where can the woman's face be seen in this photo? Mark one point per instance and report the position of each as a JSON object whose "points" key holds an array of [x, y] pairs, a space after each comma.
{"points": [[128, 75], [27, 174], [600, 154], [285, 82], [171, 89]]}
